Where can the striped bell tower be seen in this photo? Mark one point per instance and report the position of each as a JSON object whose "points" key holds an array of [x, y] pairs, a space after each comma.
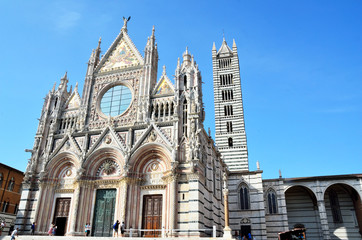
{"points": [[230, 133]]}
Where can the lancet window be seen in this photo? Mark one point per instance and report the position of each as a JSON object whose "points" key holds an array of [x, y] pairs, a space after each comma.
{"points": [[226, 79], [227, 95], [244, 197], [272, 202], [228, 110], [11, 184], [229, 127], [230, 142], [184, 118], [225, 63]]}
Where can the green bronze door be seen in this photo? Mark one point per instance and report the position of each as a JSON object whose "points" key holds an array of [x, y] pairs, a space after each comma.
{"points": [[104, 212]]}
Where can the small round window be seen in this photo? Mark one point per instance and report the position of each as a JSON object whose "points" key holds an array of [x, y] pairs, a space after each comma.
{"points": [[116, 100]]}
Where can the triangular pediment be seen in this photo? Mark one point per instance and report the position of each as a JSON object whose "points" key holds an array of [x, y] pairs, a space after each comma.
{"points": [[108, 138], [152, 134], [68, 144], [164, 87], [122, 54], [73, 101]]}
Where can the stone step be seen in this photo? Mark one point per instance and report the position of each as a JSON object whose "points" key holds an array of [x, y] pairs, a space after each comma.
{"points": [[34, 237]]}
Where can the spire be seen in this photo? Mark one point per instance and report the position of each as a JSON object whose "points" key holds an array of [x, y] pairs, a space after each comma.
{"points": [[65, 76], [234, 46], [213, 47], [186, 56], [76, 87], [63, 82], [152, 38], [99, 42], [54, 87], [164, 70]]}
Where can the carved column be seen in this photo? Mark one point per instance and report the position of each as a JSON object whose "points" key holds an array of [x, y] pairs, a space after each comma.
{"points": [[74, 211], [324, 220], [39, 201], [173, 203], [123, 202], [227, 229]]}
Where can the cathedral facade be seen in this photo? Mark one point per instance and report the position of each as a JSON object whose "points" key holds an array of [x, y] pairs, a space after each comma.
{"points": [[133, 148]]}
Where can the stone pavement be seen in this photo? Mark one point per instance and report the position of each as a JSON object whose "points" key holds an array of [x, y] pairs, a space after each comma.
{"points": [[27, 237]]}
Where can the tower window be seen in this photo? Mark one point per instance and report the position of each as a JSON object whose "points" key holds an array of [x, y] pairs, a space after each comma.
{"points": [[226, 79], [229, 127], [225, 63], [244, 197], [228, 110], [230, 142], [227, 94], [185, 82], [272, 202]]}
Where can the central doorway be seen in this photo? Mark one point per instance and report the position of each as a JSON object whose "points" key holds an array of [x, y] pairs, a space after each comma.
{"points": [[104, 212], [62, 207], [152, 215]]}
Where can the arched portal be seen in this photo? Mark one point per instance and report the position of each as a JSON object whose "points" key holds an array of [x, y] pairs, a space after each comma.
{"points": [[344, 211], [302, 209], [149, 205]]}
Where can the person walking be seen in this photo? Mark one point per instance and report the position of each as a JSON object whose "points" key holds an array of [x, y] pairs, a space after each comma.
{"points": [[33, 228], [122, 229], [15, 232], [54, 230], [115, 228], [50, 231], [87, 229]]}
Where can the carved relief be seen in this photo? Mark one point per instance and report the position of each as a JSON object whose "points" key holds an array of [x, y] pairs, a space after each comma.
{"points": [[108, 168]]}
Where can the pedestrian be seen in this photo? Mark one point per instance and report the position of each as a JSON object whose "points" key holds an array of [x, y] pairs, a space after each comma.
{"points": [[122, 229], [115, 228], [87, 229], [15, 232], [2, 226], [54, 230], [249, 236], [50, 231], [33, 228]]}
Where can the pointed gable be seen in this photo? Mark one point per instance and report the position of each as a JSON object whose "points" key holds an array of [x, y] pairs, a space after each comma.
{"points": [[164, 86], [122, 54], [224, 50], [73, 101]]}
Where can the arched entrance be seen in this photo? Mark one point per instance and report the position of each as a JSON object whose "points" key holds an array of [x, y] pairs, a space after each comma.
{"points": [[302, 209], [150, 190], [344, 211]]}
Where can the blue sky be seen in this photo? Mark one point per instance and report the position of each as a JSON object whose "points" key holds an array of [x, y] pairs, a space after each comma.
{"points": [[300, 63]]}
